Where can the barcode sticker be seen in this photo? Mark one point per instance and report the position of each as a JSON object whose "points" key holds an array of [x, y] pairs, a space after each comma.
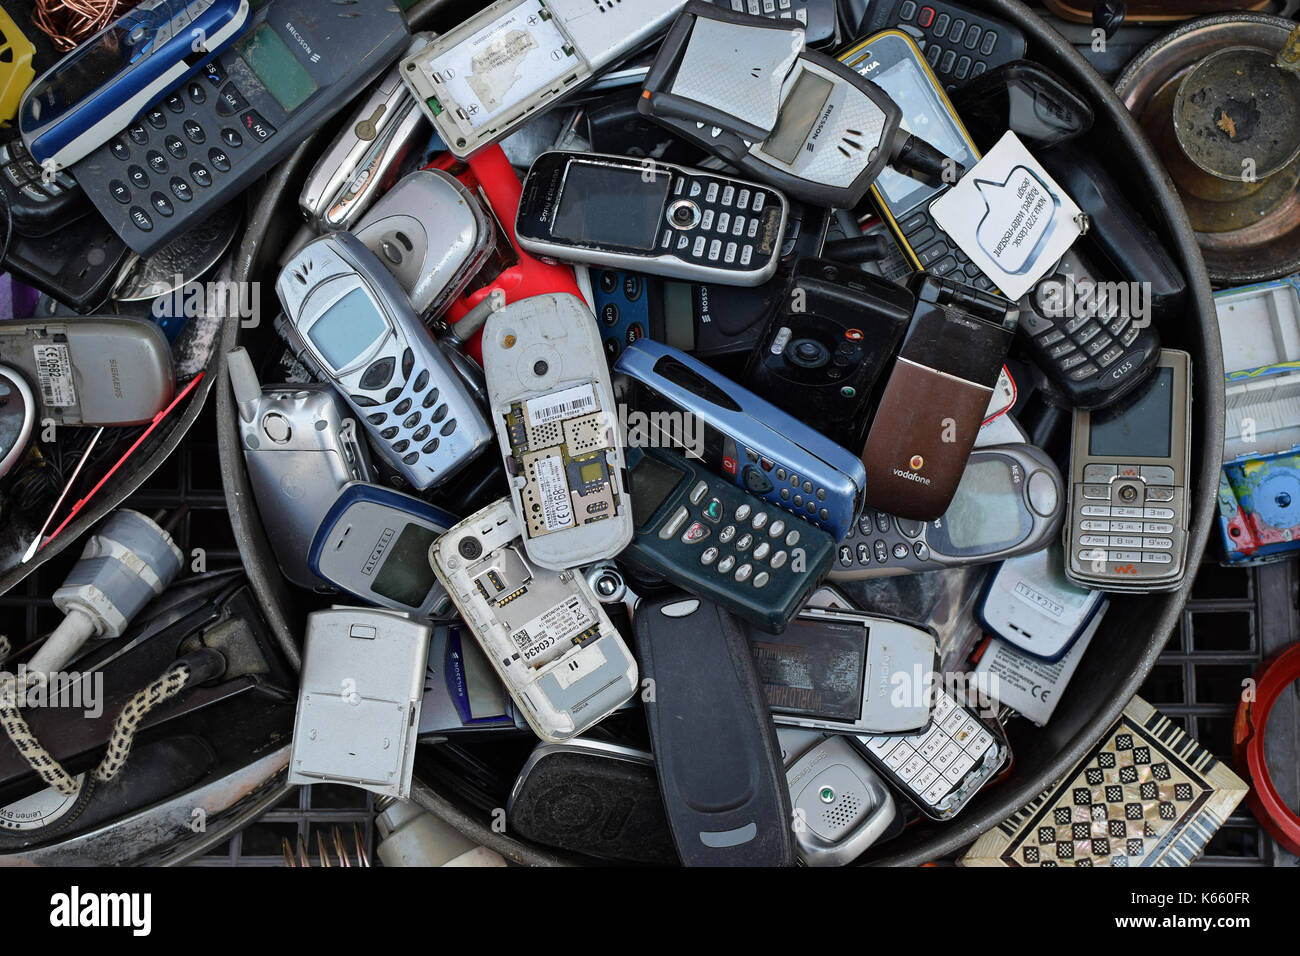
{"points": [[557, 506], [569, 403], [54, 369], [556, 624]]}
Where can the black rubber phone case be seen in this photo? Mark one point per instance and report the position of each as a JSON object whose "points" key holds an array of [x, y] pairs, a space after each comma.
{"points": [[715, 748]]}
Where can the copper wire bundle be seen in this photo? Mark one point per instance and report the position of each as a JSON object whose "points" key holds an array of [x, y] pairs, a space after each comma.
{"points": [[68, 22]]}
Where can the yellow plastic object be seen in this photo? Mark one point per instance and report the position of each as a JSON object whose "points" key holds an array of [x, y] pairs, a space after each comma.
{"points": [[15, 66]]}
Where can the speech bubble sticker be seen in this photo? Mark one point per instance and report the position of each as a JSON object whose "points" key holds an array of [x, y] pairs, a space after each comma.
{"points": [[1020, 218]]}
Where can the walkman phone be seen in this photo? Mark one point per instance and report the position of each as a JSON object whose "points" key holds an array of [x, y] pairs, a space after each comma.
{"points": [[102, 370], [825, 343], [960, 42], [817, 17], [1129, 475], [433, 236], [297, 64], [359, 700], [546, 634], [936, 396], [553, 407], [1029, 603], [891, 60], [301, 447], [17, 417], [747, 440], [746, 89], [37, 204], [847, 672], [106, 81], [652, 217], [1011, 500], [940, 768], [366, 156], [350, 323], [514, 59], [707, 536], [373, 543]]}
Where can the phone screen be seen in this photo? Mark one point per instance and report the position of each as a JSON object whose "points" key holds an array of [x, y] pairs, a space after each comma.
{"points": [[815, 669], [986, 513], [611, 205], [90, 69], [798, 114], [406, 575], [347, 329], [271, 60], [652, 481], [1143, 429]]}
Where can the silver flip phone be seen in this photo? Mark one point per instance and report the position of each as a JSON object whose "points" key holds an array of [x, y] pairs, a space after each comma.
{"points": [[301, 446], [363, 160], [1128, 511]]}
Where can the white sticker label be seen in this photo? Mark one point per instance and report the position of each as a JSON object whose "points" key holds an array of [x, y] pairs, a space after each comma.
{"points": [[1010, 217], [558, 623], [553, 487], [54, 369], [569, 403], [587, 661]]}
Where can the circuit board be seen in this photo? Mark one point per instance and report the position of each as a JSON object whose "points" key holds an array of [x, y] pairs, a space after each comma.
{"points": [[561, 443]]}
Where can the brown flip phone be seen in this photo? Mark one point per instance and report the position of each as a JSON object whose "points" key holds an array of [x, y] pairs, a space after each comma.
{"points": [[934, 402]]}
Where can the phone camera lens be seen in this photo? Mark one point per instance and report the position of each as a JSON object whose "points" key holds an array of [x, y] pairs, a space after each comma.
{"points": [[808, 353], [469, 548], [540, 368]]}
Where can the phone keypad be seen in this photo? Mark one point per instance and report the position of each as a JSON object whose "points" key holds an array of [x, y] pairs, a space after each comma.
{"points": [[1124, 515], [1081, 346], [957, 48], [413, 418], [716, 224], [18, 167], [937, 253], [882, 540], [943, 765], [749, 545]]}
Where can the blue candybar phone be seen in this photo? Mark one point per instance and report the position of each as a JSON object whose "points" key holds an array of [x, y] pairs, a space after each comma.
{"points": [[90, 95], [769, 453]]}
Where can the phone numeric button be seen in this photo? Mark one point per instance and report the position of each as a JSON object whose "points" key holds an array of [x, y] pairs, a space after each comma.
{"points": [[139, 178], [140, 219], [219, 160], [119, 191]]}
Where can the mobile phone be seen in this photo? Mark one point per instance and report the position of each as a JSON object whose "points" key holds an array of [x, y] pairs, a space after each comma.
{"points": [[936, 397], [301, 447], [17, 416], [817, 17], [462, 694], [940, 768], [298, 63], [359, 700], [1129, 471], [743, 438], [1029, 603], [105, 370], [364, 159], [960, 42], [709, 537], [76, 264], [91, 94], [652, 217], [554, 411], [373, 543], [846, 672], [349, 321], [1026, 98], [433, 236], [724, 789], [1010, 501], [547, 636], [481, 80], [829, 336], [841, 806], [746, 89], [38, 204]]}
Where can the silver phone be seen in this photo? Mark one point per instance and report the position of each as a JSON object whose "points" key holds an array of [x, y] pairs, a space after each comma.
{"points": [[301, 447], [364, 158]]}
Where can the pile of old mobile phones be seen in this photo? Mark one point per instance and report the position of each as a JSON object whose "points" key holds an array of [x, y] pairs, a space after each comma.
{"points": [[829, 336], [1128, 521]]}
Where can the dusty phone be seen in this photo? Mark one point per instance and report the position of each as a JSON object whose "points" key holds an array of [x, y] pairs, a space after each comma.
{"points": [[1130, 464], [37, 204], [746, 89], [373, 542], [553, 406], [301, 447], [651, 217], [433, 236], [545, 632], [351, 323], [105, 370], [847, 672], [704, 534], [1030, 603], [364, 159], [1010, 501], [481, 80], [78, 264]]}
